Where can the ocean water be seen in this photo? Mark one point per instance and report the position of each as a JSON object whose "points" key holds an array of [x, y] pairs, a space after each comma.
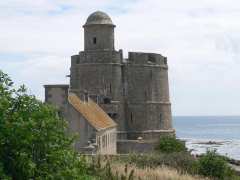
{"points": [[198, 131]]}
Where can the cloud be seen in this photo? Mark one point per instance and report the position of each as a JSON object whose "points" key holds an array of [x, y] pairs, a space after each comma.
{"points": [[200, 38]]}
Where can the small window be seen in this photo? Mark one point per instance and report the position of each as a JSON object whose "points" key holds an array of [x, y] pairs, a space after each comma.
{"points": [[77, 61], [131, 118], [107, 100], [94, 40], [165, 60], [160, 117]]}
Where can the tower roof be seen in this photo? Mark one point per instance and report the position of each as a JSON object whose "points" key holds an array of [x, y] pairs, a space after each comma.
{"points": [[98, 17]]}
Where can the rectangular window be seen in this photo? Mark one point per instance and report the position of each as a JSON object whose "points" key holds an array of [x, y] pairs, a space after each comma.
{"points": [[94, 40]]}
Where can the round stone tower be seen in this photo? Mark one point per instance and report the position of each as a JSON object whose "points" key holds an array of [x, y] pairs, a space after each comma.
{"points": [[98, 32], [148, 104], [98, 69]]}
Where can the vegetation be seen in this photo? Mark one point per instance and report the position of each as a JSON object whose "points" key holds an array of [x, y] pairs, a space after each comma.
{"points": [[213, 165], [113, 168], [33, 140], [174, 155], [34, 145], [183, 162], [169, 144]]}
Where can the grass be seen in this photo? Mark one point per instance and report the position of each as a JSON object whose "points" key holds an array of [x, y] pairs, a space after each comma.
{"points": [[169, 161], [117, 168], [147, 173]]}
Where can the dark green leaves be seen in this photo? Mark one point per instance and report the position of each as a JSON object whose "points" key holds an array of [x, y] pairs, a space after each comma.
{"points": [[33, 142]]}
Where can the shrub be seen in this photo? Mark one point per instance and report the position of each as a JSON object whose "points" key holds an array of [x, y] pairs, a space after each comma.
{"points": [[33, 139], [168, 144], [213, 165]]}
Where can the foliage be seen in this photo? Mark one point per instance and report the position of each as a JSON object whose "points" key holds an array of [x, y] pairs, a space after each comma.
{"points": [[33, 140], [104, 171], [182, 161], [213, 165], [169, 144]]}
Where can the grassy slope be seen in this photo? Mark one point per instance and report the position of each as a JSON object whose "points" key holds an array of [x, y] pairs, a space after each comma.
{"points": [[159, 173]]}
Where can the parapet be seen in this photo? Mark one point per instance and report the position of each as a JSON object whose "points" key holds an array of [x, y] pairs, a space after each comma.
{"points": [[146, 58], [86, 57]]}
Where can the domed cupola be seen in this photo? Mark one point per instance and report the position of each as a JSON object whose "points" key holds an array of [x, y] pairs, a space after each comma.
{"points": [[98, 32], [98, 17]]}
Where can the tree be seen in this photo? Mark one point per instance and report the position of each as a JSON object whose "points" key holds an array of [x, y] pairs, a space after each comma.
{"points": [[33, 139]]}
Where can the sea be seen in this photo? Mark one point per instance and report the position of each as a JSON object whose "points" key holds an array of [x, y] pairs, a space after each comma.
{"points": [[202, 133]]}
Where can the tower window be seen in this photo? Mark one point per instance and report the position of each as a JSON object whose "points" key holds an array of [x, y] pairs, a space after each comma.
{"points": [[131, 117], [94, 40], [78, 61]]}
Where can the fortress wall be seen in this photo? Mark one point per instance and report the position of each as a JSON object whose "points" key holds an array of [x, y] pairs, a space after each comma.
{"points": [[150, 72], [147, 93], [146, 58], [100, 73], [97, 57]]}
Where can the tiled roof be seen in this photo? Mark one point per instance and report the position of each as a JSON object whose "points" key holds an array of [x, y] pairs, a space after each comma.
{"points": [[91, 112]]}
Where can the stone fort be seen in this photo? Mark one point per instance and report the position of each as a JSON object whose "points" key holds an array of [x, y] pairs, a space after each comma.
{"points": [[115, 104]]}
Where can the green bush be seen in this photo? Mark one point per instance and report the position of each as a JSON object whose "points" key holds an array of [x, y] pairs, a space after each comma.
{"points": [[169, 144], [213, 165], [33, 139]]}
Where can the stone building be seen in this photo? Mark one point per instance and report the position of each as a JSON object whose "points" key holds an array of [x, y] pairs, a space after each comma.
{"points": [[133, 91]]}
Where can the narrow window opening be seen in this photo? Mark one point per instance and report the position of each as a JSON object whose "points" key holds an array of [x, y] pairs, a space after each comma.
{"points": [[110, 88], [165, 60], [131, 118], [160, 117], [94, 40]]}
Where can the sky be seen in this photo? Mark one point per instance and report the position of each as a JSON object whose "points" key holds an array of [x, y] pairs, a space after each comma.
{"points": [[201, 39]]}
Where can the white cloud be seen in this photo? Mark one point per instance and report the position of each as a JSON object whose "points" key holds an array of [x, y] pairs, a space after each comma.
{"points": [[200, 38]]}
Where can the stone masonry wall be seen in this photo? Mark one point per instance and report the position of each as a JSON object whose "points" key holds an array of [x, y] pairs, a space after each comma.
{"points": [[100, 73], [147, 94]]}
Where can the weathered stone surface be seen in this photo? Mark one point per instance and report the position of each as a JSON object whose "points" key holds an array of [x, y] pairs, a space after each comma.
{"points": [[136, 89]]}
